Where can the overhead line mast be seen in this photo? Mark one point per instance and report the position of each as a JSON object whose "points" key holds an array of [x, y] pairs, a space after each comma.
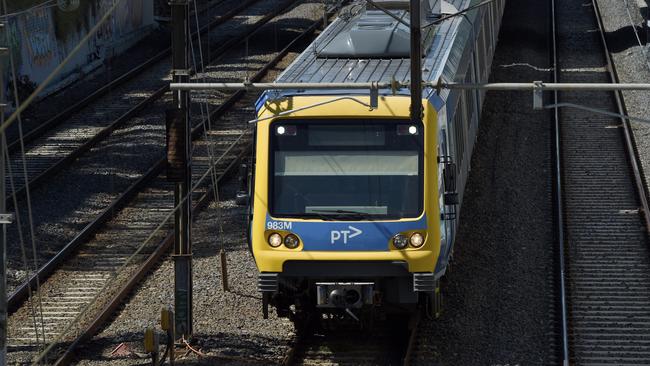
{"points": [[179, 170], [416, 59]]}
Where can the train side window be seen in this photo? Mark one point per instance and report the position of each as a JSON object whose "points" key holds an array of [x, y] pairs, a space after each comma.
{"points": [[480, 48], [490, 28], [493, 20]]}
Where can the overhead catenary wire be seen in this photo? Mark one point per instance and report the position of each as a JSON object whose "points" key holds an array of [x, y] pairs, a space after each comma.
{"points": [[207, 126], [76, 321], [44, 5]]}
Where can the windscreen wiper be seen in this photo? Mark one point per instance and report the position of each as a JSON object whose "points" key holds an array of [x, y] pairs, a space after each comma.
{"points": [[345, 213]]}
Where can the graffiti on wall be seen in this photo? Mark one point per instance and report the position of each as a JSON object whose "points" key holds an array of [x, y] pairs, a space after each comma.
{"points": [[42, 37], [37, 31]]}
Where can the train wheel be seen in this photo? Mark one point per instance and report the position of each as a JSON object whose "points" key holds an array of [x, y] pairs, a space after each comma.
{"points": [[432, 303]]}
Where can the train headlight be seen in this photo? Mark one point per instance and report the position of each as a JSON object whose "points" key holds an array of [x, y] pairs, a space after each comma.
{"points": [[275, 240], [291, 241], [400, 241], [417, 240]]}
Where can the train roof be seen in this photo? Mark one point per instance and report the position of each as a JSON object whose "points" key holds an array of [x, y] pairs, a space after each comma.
{"points": [[444, 46]]}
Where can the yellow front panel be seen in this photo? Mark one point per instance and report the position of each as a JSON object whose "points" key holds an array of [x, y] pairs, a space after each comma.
{"points": [[270, 259]]}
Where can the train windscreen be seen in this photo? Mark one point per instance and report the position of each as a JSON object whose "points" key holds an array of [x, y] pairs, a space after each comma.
{"points": [[346, 170]]}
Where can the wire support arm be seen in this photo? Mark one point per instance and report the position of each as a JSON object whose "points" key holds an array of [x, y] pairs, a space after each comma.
{"points": [[397, 85]]}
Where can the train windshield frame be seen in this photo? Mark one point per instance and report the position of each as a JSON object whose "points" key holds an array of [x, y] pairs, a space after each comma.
{"points": [[346, 169]]}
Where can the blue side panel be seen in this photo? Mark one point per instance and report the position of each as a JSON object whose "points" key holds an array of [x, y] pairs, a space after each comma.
{"points": [[260, 101], [345, 235], [435, 100]]}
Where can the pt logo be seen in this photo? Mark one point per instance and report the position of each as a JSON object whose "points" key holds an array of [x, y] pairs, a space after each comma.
{"points": [[336, 235]]}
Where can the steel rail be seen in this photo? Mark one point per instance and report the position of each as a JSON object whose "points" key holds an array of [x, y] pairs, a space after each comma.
{"points": [[106, 131], [414, 323], [161, 250], [569, 350], [21, 293], [558, 197], [627, 129], [62, 116]]}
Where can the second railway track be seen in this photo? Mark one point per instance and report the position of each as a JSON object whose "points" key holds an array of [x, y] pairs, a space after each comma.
{"points": [[77, 280], [606, 247], [90, 128]]}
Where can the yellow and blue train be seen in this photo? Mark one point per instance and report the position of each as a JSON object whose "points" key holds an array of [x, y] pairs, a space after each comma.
{"points": [[352, 207]]}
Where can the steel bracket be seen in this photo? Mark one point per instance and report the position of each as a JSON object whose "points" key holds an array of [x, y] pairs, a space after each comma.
{"points": [[374, 95], [7, 218], [181, 72], [538, 95]]}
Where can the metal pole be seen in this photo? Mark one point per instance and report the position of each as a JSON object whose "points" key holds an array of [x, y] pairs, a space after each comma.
{"points": [[416, 58], [182, 218]]}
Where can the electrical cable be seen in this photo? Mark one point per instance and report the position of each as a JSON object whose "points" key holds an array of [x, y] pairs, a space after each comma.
{"points": [[597, 111], [207, 126], [27, 191], [442, 19], [44, 5]]}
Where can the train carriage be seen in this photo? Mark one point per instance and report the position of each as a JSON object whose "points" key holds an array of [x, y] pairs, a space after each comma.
{"points": [[353, 206]]}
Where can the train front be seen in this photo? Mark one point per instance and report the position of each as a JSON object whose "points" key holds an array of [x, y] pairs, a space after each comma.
{"points": [[345, 213]]}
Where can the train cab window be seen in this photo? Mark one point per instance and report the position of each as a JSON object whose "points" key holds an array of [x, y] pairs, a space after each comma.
{"points": [[346, 170]]}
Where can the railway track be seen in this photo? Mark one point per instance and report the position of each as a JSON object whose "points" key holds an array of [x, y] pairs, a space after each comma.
{"points": [[153, 113], [602, 209], [345, 342], [78, 290], [54, 144]]}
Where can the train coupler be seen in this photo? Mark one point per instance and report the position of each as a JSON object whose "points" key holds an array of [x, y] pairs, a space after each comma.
{"points": [[344, 295]]}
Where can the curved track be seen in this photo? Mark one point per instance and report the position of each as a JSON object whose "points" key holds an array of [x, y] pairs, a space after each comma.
{"points": [[79, 290], [602, 207]]}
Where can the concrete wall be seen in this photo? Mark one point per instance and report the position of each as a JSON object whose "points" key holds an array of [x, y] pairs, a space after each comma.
{"points": [[41, 38]]}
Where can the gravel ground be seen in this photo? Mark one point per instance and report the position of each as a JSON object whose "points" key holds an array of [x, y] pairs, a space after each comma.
{"points": [[228, 325], [77, 194], [631, 65], [499, 294]]}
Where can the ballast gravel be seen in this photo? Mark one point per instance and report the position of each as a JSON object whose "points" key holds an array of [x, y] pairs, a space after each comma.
{"points": [[499, 297], [632, 62]]}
